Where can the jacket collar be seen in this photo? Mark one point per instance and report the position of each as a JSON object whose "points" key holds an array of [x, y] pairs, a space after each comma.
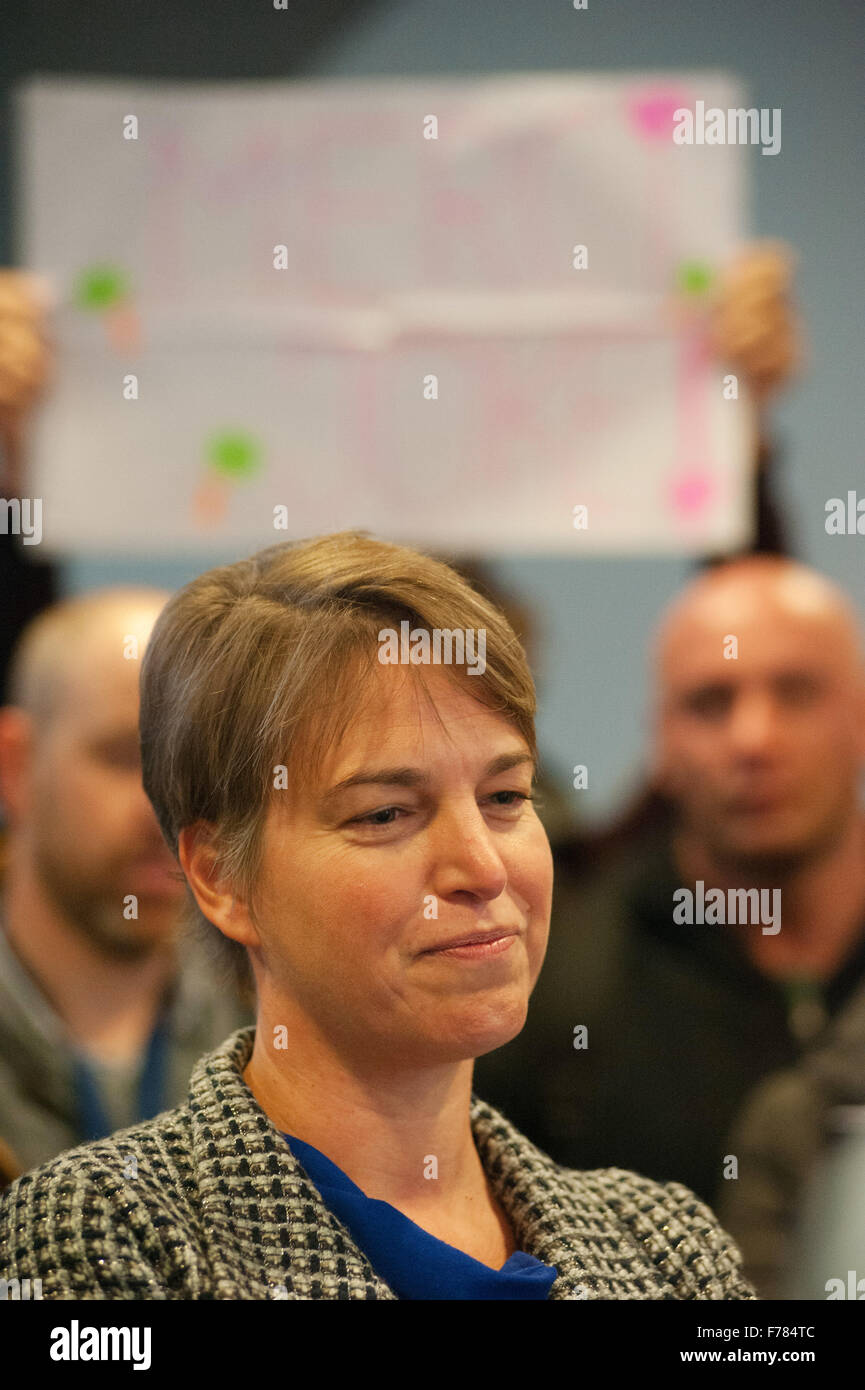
{"points": [[249, 1180]]}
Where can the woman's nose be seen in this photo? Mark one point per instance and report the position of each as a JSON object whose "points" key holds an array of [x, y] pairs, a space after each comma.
{"points": [[466, 858]]}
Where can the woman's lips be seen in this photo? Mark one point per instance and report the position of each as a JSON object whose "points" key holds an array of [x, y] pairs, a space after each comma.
{"points": [[476, 950]]}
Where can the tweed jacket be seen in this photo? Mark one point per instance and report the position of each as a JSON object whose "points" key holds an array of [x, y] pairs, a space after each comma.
{"points": [[207, 1202]]}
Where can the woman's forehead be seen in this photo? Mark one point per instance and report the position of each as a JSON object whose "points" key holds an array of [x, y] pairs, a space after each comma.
{"points": [[402, 718], [401, 704]]}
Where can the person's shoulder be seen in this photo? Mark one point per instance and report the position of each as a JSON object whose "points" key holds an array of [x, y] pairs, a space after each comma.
{"points": [[660, 1233], [80, 1221], [675, 1229], [632, 1196], [141, 1163]]}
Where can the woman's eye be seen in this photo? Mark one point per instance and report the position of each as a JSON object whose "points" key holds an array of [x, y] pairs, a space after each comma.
{"points": [[387, 816], [520, 797], [382, 818]]}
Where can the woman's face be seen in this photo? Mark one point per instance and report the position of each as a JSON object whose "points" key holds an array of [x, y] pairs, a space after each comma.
{"points": [[420, 833]]}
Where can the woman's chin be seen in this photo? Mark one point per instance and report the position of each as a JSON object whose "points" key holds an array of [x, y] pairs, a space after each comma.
{"points": [[484, 1029]]}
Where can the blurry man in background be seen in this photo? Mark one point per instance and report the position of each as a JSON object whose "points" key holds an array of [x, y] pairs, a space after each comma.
{"points": [[102, 1014], [759, 748]]}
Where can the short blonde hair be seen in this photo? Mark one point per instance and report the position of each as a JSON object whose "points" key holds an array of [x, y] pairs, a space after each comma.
{"points": [[262, 664]]}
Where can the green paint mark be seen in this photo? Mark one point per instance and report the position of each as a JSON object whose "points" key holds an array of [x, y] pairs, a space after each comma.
{"points": [[234, 453], [101, 287], [694, 277]]}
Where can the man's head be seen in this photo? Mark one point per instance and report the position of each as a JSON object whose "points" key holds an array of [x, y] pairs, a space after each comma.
{"points": [[70, 772], [760, 715]]}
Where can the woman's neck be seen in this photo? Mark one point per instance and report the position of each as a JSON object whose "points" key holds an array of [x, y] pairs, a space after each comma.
{"points": [[403, 1136]]}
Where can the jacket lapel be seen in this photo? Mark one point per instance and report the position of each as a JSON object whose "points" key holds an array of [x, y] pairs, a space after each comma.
{"points": [[267, 1230], [550, 1216], [269, 1234]]}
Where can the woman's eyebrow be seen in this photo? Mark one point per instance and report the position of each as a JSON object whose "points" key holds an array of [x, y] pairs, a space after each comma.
{"points": [[414, 777]]}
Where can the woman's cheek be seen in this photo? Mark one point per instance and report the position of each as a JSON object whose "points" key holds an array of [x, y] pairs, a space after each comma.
{"points": [[538, 870], [381, 902]]}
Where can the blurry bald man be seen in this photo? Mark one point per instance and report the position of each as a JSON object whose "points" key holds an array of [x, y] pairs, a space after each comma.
{"points": [[102, 1012], [759, 744]]}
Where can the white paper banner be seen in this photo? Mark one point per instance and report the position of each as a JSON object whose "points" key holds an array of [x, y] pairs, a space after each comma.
{"points": [[431, 357]]}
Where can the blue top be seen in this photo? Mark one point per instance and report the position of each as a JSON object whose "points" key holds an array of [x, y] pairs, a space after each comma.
{"points": [[414, 1263]]}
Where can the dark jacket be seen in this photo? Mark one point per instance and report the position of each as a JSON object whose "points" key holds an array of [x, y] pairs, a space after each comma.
{"points": [[681, 1028]]}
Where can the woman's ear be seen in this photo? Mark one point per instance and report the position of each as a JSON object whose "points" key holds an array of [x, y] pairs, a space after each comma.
{"points": [[215, 895]]}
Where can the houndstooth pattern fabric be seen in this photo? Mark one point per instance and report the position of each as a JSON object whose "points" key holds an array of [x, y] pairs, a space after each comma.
{"points": [[207, 1202]]}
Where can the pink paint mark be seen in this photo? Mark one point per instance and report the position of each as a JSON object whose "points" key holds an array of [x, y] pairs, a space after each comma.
{"points": [[693, 484], [651, 113], [692, 493]]}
